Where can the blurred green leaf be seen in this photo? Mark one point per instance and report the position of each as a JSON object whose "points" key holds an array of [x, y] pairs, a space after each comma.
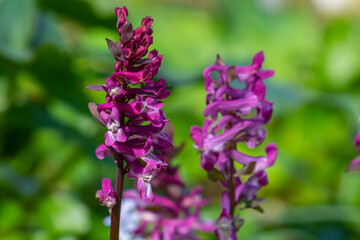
{"points": [[17, 25], [10, 215], [63, 213]]}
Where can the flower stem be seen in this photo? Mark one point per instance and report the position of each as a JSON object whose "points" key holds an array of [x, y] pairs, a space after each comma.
{"points": [[116, 211], [232, 188]]}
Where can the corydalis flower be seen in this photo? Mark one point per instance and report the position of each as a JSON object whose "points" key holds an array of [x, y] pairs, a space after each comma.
{"points": [[243, 114], [355, 164], [106, 195], [132, 112]]}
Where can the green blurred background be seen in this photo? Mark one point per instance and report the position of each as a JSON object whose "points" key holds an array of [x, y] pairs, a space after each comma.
{"points": [[51, 49]]}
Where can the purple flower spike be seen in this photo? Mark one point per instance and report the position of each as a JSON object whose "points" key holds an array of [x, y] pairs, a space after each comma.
{"points": [[355, 164], [132, 112], [236, 116], [106, 195]]}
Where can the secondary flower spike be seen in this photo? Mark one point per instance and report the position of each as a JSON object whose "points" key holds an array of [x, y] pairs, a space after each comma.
{"points": [[132, 112], [235, 116]]}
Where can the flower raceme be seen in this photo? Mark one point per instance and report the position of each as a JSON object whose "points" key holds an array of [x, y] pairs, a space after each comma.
{"points": [[235, 116], [132, 110], [135, 123]]}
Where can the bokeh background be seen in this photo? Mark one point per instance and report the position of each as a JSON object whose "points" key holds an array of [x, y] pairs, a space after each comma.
{"points": [[50, 50]]}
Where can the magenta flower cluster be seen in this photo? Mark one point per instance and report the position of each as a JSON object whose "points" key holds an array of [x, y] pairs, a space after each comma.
{"points": [[235, 116], [132, 112], [174, 214]]}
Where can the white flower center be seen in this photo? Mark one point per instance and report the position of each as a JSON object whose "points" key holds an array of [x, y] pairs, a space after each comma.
{"points": [[113, 126], [114, 91]]}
